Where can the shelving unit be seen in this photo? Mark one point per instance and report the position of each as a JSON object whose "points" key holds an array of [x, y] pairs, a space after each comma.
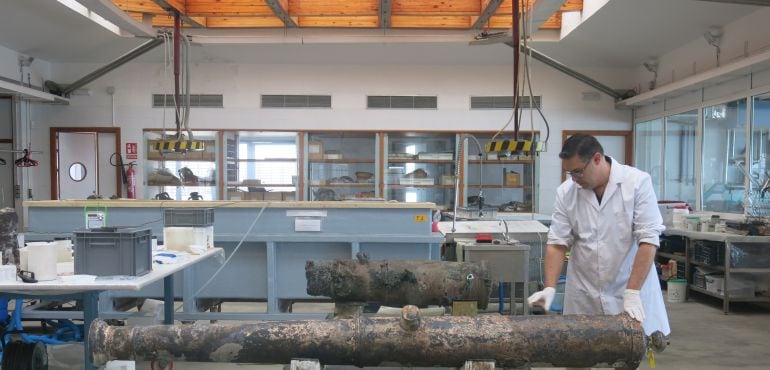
{"points": [[420, 167], [754, 253], [181, 174], [261, 165], [342, 165], [506, 183]]}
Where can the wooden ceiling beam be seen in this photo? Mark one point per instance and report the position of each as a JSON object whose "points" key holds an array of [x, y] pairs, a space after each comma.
{"points": [[368, 21], [178, 6], [334, 8], [489, 8], [281, 10], [572, 6], [139, 6], [386, 9], [434, 22], [436, 7], [228, 8], [244, 22]]}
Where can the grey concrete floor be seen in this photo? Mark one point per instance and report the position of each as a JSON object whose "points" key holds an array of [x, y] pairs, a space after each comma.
{"points": [[702, 338]]}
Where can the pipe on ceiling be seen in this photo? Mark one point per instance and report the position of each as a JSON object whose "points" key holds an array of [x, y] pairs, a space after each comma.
{"points": [[123, 59], [568, 71]]}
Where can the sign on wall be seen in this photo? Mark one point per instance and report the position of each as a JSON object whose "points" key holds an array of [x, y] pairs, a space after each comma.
{"points": [[131, 151]]}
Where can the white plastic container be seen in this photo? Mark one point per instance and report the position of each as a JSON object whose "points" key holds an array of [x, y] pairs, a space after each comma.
{"points": [[677, 290], [41, 260], [181, 238]]}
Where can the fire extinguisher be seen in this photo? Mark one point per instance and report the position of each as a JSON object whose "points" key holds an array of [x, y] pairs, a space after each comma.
{"points": [[131, 181]]}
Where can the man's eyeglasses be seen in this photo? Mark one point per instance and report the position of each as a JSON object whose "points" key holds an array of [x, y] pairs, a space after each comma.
{"points": [[577, 173]]}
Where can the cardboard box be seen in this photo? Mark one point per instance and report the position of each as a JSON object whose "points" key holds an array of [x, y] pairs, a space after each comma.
{"points": [[253, 195], [273, 196], [738, 287], [289, 195], [315, 149], [447, 180], [511, 178]]}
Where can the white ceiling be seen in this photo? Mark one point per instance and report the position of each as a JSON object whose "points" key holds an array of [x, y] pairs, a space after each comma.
{"points": [[621, 34]]}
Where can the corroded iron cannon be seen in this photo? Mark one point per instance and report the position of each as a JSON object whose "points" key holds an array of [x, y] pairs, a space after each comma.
{"points": [[398, 283], [411, 340]]}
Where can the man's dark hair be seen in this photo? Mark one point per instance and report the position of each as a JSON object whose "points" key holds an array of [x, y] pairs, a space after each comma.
{"points": [[584, 145]]}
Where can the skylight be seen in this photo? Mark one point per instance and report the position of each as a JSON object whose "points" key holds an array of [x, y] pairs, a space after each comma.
{"points": [[98, 19]]}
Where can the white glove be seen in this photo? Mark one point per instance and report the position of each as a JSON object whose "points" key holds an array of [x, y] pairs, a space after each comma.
{"points": [[632, 304], [544, 298]]}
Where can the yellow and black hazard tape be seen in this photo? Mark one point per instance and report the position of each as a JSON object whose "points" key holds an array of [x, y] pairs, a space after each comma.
{"points": [[180, 146], [513, 146]]}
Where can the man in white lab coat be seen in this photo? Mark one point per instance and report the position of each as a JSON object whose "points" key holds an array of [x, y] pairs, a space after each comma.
{"points": [[606, 215]]}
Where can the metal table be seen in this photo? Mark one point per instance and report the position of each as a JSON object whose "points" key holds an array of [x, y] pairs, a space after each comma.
{"points": [[89, 291]]}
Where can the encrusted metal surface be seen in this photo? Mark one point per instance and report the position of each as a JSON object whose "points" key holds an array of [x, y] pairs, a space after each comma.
{"points": [[539, 341], [398, 283]]}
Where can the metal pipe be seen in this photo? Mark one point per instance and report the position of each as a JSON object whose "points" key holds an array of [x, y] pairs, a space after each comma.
{"points": [[411, 340], [123, 59], [398, 283], [566, 70]]}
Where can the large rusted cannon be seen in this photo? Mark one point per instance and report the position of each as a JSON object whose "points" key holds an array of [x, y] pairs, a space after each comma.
{"points": [[398, 283], [510, 341]]}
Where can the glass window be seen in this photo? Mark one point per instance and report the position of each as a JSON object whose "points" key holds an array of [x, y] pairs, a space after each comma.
{"points": [[679, 165], [265, 162], [648, 151], [724, 157], [760, 163]]}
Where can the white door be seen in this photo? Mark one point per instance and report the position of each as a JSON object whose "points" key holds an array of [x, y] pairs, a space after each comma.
{"points": [[78, 171], [614, 146], [108, 181]]}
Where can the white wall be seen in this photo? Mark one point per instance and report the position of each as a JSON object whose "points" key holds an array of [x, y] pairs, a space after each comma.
{"points": [[242, 85], [9, 67], [749, 33]]}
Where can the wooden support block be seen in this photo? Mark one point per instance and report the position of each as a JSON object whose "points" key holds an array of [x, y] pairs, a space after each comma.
{"points": [[306, 364], [478, 365], [465, 308]]}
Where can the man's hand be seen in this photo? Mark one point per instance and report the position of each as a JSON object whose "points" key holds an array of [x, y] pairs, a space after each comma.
{"points": [[632, 304], [542, 298]]}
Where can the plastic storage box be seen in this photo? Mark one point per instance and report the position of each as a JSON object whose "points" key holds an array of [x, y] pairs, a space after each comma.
{"points": [[188, 217], [113, 251]]}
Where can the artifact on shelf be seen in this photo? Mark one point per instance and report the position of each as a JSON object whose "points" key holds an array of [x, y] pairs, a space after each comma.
{"points": [[332, 154], [440, 156], [324, 194], [401, 156], [341, 180], [364, 177], [187, 176], [163, 176], [417, 177]]}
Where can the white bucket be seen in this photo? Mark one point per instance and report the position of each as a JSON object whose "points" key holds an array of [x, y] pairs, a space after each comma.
{"points": [[41, 259], [677, 290]]}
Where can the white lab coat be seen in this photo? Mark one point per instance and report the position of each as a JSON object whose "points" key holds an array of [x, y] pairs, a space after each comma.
{"points": [[603, 241]]}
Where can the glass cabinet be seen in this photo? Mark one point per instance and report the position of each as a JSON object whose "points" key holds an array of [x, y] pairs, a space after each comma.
{"points": [[420, 167], [505, 181], [724, 137], [261, 165], [174, 173], [342, 165]]}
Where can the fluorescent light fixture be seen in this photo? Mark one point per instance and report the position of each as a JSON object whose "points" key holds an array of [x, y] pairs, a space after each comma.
{"points": [[96, 18]]}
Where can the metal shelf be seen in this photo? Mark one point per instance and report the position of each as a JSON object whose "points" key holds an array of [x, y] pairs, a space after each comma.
{"points": [[350, 185], [439, 161], [672, 256], [314, 161], [499, 186], [716, 267], [501, 161], [732, 299], [420, 186]]}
